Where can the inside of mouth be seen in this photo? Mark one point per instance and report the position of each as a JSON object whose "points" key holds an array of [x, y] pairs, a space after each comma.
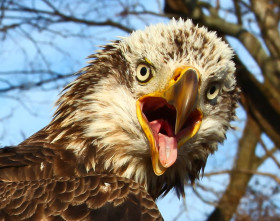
{"points": [[161, 119], [160, 115]]}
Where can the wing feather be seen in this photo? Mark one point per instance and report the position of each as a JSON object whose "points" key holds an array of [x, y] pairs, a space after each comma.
{"points": [[39, 184], [95, 197]]}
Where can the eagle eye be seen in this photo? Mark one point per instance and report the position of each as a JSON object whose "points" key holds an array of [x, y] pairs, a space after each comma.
{"points": [[143, 73], [213, 91]]}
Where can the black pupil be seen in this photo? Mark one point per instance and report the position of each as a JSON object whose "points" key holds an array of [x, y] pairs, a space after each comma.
{"points": [[212, 90], [143, 71]]}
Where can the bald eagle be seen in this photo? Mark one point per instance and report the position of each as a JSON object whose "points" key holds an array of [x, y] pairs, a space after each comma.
{"points": [[140, 120]]}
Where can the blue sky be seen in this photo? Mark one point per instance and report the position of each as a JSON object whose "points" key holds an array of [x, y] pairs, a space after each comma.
{"points": [[32, 110]]}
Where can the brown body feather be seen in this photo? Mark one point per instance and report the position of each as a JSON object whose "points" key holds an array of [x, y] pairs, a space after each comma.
{"points": [[39, 184]]}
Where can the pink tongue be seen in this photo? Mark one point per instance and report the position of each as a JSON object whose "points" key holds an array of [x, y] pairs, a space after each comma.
{"points": [[167, 150], [167, 145]]}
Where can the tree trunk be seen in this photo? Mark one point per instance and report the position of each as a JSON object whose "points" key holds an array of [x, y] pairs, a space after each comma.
{"points": [[238, 183]]}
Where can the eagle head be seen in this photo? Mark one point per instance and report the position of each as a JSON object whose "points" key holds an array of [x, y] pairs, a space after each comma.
{"points": [[151, 106]]}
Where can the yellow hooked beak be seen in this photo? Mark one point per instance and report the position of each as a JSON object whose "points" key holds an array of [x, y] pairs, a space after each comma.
{"points": [[169, 118]]}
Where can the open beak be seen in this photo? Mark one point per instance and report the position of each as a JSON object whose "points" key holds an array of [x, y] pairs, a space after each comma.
{"points": [[169, 118]]}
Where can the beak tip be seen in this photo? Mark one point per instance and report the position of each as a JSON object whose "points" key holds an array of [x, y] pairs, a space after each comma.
{"points": [[177, 129]]}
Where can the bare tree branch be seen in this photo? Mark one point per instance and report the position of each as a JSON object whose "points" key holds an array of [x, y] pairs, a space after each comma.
{"points": [[251, 172], [29, 85], [269, 154]]}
